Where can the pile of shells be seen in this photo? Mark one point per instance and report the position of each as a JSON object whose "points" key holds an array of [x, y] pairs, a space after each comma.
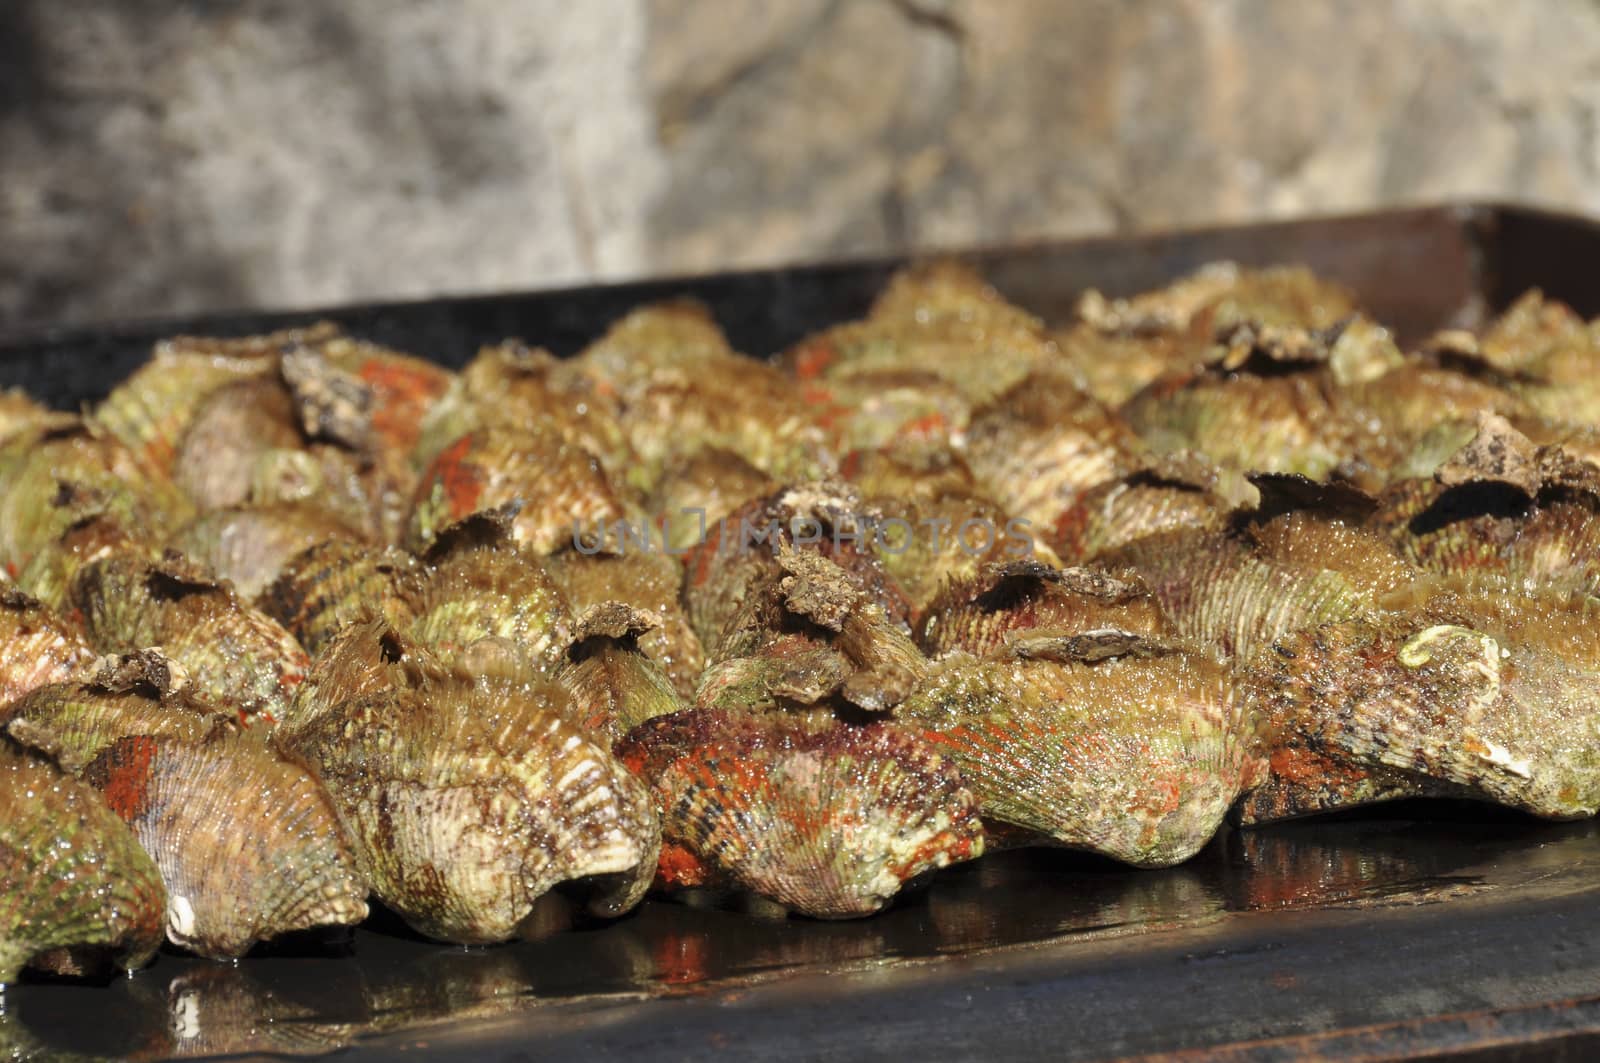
{"points": [[297, 625]]}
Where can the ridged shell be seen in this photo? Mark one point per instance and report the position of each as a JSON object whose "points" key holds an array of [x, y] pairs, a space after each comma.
{"points": [[465, 804], [614, 685], [646, 580], [250, 545], [336, 582], [1008, 605], [511, 385], [1234, 594], [150, 409], [135, 695], [1138, 758], [35, 647], [741, 553], [824, 818], [941, 317], [697, 490], [679, 388], [235, 655], [1037, 447], [248, 843], [558, 487], [1279, 422], [53, 478], [810, 630], [1486, 687], [71, 874], [483, 592], [229, 433]]}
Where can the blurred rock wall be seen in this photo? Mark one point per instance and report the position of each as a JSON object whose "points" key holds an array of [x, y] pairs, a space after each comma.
{"points": [[158, 156]]}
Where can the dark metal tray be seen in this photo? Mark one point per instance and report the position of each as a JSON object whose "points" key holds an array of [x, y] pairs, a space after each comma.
{"points": [[1420, 929]]}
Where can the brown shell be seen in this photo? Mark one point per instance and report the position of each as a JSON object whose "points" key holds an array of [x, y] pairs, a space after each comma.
{"points": [[250, 545], [1233, 593], [646, 580], [1479, 688], [560, 488], [236, 656], [511, 385], [1009, 606], [486, 599], [35, 647], [150, 410], [824, 818], [55, 477], [679, 388], [138, 694], [71, 875], [229, 433], [466, 803], [338, 581], [613, 684], [694, 492], [1137, 757], [248, 843], [940, 317], [741, 552], [1040, 445]]}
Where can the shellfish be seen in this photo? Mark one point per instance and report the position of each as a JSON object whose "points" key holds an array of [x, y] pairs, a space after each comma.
{"points": [[466, 802], [73, 879], [248, 844], [825, 818], [1137, 757]]}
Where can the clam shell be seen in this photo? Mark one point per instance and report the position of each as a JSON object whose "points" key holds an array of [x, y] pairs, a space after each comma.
{"points": [[248, 843], [1044, 442], [942, 318], [228, 434], [149, 410], [827, 518], [466, 804], [648, 581], [1006, 604], [55, 477], [560, 488], [250, 545], [1137, 757], [35, 647], [679, 388], [337, 581], [1234, 593], [613, 684], [511, 385], [696, 491], [1484, 687], [824, 818], [481, 589], [235, 655], [71, 874], [140, 694]]}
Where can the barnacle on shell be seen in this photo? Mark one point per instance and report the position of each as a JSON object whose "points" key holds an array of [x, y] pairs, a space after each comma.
{"points": [[73, 879], [824, 818]]}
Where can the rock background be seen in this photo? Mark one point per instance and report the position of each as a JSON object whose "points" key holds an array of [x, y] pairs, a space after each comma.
{"points": [[164, 157]]}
